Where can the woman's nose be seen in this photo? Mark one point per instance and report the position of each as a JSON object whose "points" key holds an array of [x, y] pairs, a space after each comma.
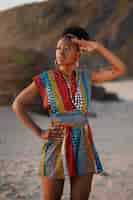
{"points": [[62, 52]]}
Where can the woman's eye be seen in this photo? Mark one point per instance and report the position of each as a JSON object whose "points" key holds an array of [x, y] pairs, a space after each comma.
{"points": [[64, 49]]}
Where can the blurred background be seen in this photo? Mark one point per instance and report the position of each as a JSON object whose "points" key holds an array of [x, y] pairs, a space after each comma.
{"points": [[29, 31]]}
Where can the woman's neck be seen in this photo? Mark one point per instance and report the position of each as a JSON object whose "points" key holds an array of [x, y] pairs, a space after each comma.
{"points": [[67, 70]]}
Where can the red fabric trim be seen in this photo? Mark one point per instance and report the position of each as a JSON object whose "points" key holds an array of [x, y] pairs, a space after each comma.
{"points": [[90, 134], [70, 153], [39, 85], [64, 91], [42, 91], [73, 84]]}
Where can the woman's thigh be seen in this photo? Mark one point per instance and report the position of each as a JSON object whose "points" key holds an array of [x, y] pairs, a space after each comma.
{"points": [[81, 187], [52, 189]]}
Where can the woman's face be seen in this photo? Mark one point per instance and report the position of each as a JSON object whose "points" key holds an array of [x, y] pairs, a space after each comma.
{"points": [[67, 53]]}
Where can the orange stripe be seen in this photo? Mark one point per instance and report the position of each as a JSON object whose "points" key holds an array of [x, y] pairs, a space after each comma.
{"points": [[90, 134], [42, 160], [58, 170]]}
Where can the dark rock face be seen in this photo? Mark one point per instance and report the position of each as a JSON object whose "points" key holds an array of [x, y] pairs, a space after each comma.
{"points": [[29, 33], [17, 67], [100, 94]]}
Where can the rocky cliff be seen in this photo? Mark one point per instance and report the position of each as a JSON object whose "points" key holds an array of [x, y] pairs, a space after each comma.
{"points": [[29, 33]]}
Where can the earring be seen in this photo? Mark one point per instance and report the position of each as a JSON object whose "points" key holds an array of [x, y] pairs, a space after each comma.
{"points": [[55, 62], [77, 64]]}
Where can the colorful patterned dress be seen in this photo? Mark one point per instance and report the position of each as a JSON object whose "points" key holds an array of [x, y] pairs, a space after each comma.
{"points": [[76, 153]]}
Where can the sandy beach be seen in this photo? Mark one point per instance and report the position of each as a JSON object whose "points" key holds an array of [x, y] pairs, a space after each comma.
{"points": [[113, 135]]}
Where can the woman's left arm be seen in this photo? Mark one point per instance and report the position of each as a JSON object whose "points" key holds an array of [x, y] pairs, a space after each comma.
{"points": [[115, 69]]}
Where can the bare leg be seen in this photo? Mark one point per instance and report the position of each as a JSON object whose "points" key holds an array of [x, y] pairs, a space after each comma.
{"points": [[81, 187], [52, 189]]}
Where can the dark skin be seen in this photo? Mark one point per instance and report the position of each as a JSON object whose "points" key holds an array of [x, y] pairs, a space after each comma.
{"points": [[67, 54]]}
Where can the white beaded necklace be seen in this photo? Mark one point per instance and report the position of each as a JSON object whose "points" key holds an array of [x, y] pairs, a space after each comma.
{"points": [[77, 99]]}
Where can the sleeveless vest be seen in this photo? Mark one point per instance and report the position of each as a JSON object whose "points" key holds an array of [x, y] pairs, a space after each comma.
{"points": [[61, 107]]}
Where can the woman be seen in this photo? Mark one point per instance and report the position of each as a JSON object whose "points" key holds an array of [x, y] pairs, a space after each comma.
{"points": [[68, 148]]}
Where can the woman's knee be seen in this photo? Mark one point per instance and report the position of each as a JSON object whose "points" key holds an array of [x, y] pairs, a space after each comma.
{"points": [[52, 189], [81, 187]]}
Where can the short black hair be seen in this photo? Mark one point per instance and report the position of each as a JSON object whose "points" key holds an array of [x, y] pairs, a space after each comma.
{"points": [[78, 31]]}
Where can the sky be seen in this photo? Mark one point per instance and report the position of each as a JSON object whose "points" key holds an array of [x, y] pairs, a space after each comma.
{"points": [[6, 4]]}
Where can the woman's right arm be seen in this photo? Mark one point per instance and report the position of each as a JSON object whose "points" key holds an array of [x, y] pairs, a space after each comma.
{"points": [[22, 100]]}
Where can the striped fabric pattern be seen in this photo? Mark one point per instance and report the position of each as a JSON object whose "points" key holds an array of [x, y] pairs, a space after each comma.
{"points": [[76, 153]]}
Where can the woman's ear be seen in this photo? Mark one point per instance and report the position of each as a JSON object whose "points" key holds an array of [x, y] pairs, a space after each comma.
{"points": [[81, 51]]}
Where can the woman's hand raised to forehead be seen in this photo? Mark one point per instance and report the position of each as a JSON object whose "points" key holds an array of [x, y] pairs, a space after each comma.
{"points": [[86, 45]]}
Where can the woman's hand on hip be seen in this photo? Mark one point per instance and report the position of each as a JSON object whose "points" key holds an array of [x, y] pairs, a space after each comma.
{"points": [[54, 133]]}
